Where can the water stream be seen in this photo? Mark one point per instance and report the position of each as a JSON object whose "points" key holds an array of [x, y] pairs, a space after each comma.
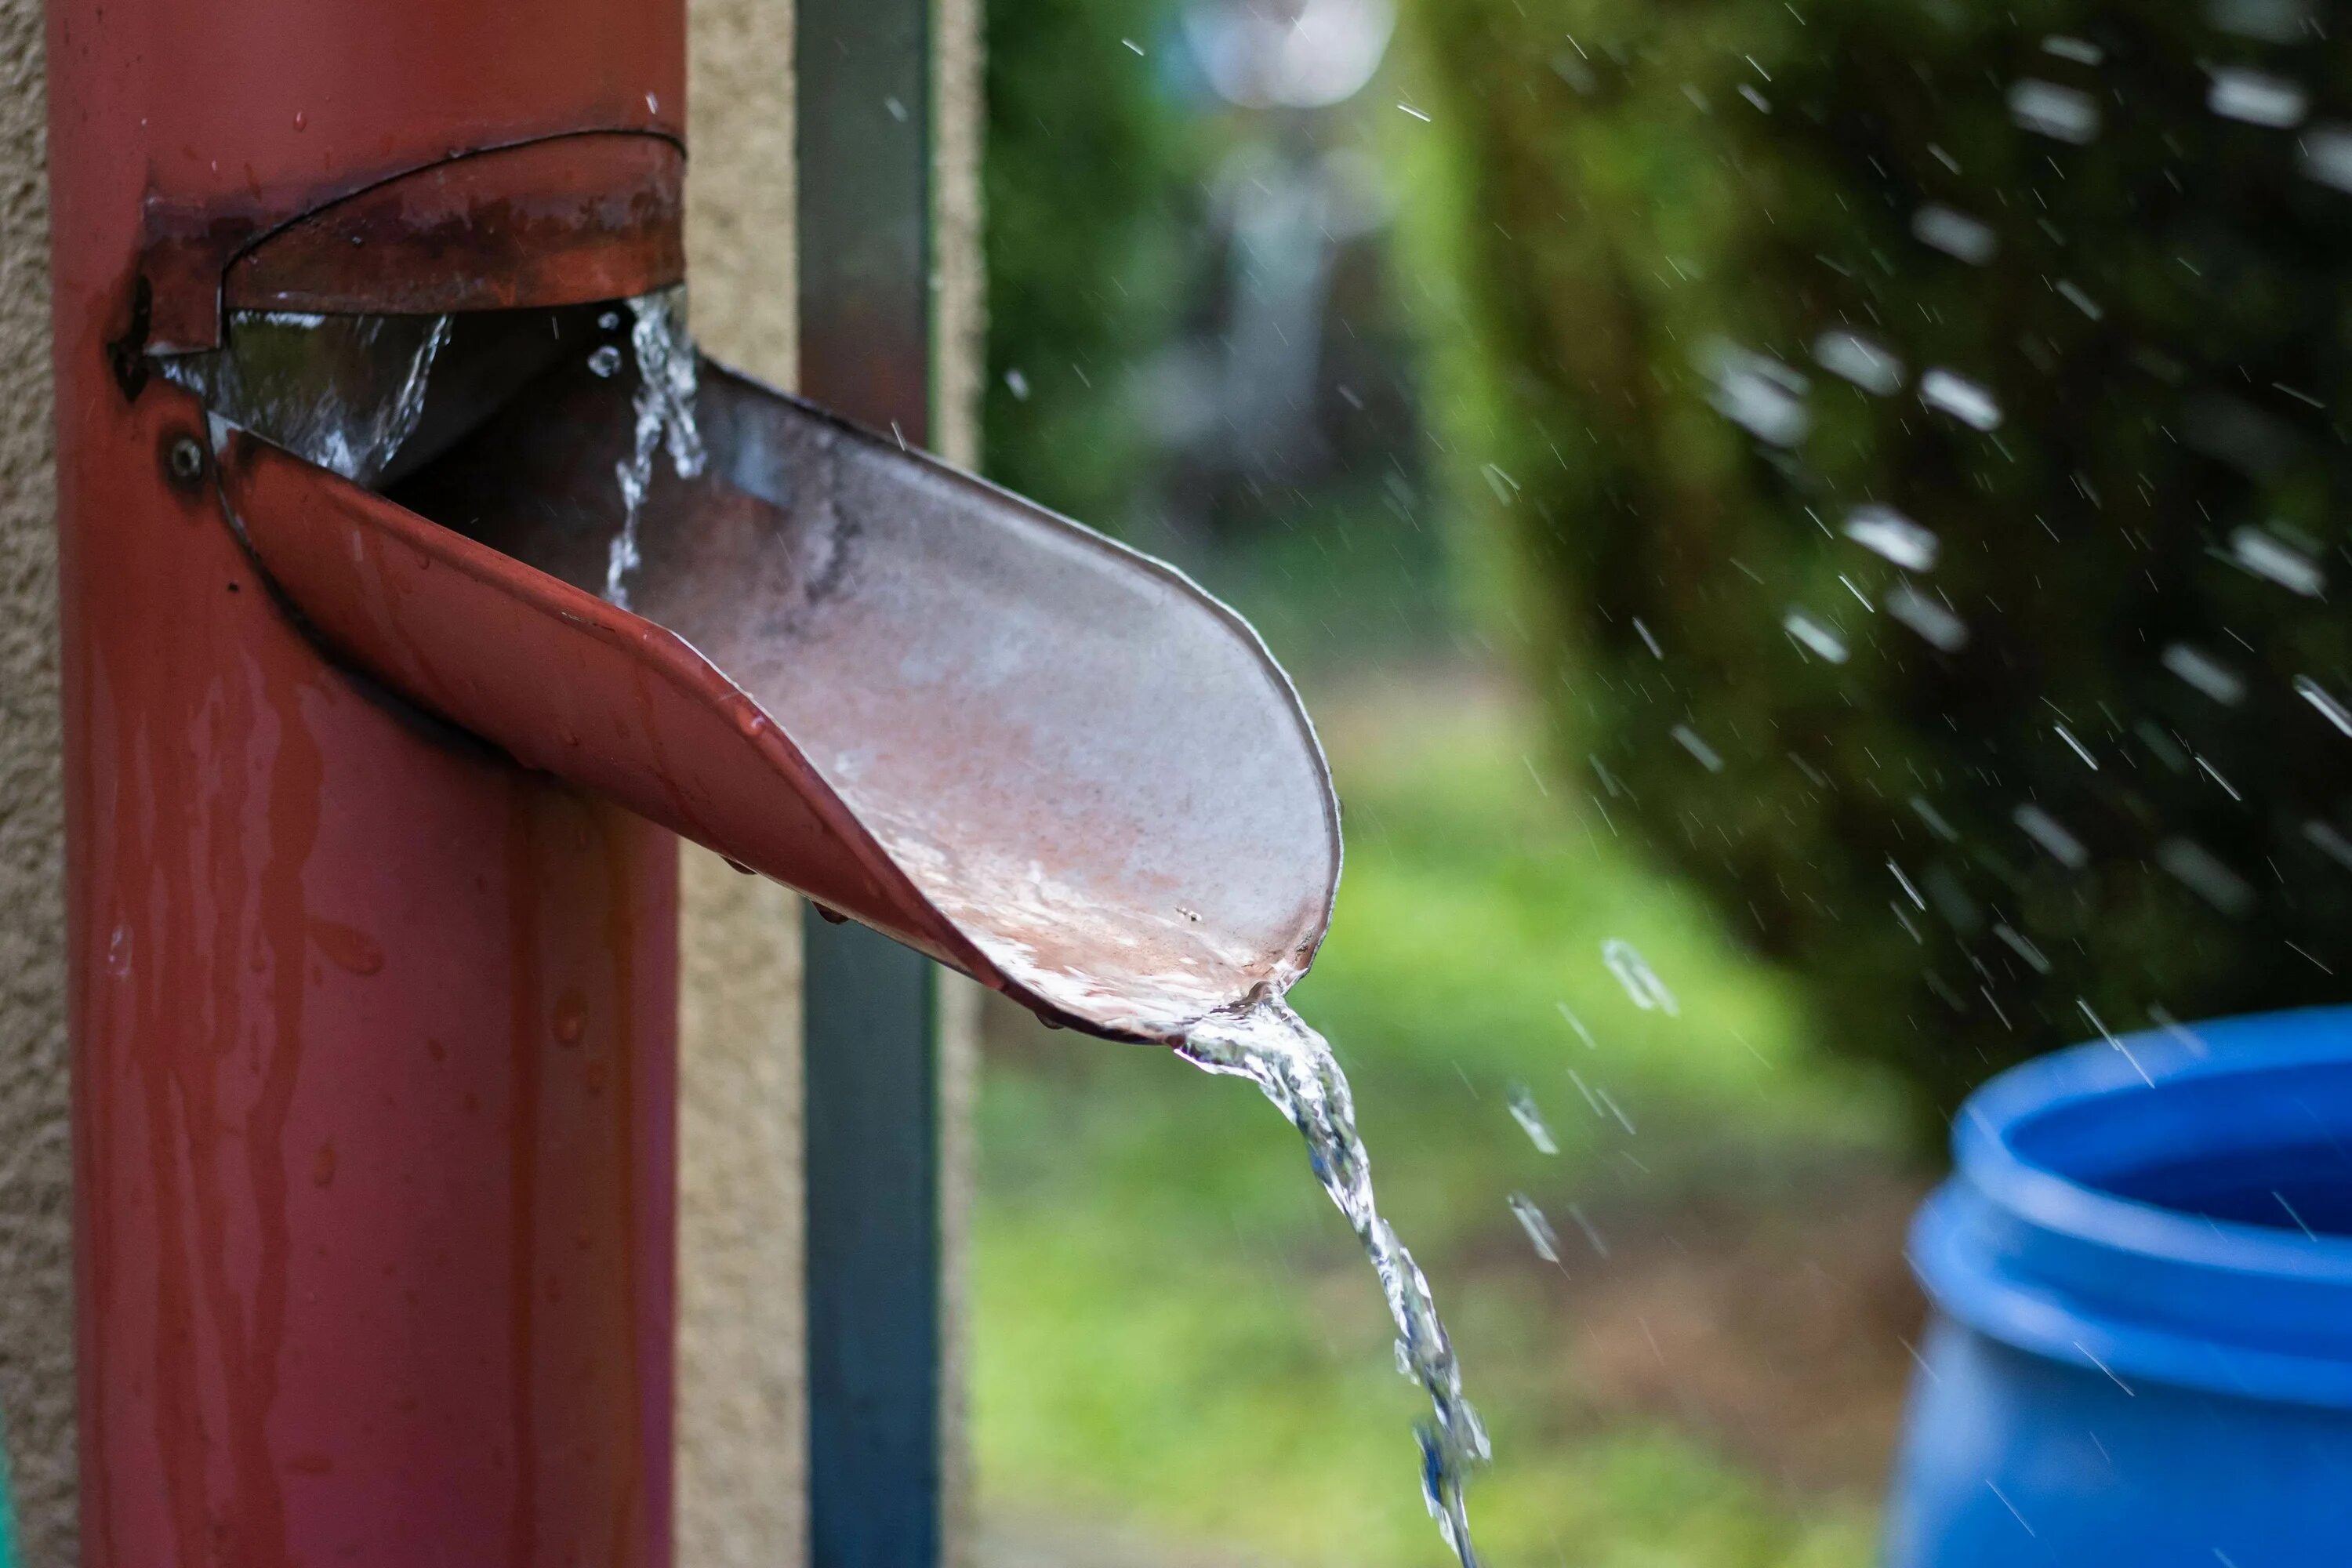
{"points": [[665, 410], [1269, 1044]]}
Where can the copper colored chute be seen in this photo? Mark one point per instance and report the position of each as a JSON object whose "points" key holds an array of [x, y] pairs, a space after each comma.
{"points": [[930, 704]]}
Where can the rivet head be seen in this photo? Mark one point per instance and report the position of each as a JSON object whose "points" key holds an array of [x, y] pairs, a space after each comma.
{"points": [[187, 460]]}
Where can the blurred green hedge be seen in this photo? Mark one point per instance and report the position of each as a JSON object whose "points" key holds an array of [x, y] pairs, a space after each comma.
{"points": [[1091, 182], [1641, 219]]}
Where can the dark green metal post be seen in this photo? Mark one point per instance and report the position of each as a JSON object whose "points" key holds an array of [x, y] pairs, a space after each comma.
{"points": [[872, 1016]]}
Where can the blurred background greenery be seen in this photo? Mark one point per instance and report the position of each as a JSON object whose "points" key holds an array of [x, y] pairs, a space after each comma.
{"points": [[1839, 495]]}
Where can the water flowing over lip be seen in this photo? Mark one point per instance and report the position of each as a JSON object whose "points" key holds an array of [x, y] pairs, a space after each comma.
{"points": [[932, 706]]}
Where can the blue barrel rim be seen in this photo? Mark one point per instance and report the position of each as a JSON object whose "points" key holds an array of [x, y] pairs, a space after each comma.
{"points": [[2038, 1259]]}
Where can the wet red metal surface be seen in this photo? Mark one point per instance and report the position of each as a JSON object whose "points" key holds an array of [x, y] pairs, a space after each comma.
{"points": [[560, 222], [373, 1033], [303, 105]]}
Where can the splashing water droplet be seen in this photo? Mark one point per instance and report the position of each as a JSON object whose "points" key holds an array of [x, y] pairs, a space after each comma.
{"points": [[2206, 673], [1540, 1235], [2257, 98], [1956, 234], [1757, 393], [1883, 531], [2053, 835], [2267, 556], [1966, 401], [2320, 698], [1811, 634], [1642, 986], [1690, 741], [2202, 872], [1859, 360], [2061, 113], [1933, 622], [2327, 157], [1524, 1111]]}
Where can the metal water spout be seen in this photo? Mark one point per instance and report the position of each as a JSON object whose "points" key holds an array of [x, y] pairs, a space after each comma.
{"points": [[372, 932], [931, 705]]}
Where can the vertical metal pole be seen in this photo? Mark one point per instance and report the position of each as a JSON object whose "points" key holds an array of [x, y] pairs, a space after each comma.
{"points": [[373, 1034], [872, 1036]]}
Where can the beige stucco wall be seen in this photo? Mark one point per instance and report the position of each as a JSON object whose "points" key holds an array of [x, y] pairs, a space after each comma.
{"points": [[743, 1409], [36, 1301], [960, 361]]}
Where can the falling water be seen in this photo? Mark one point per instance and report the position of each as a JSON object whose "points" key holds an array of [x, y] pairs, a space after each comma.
{"points": [[344, 392], [1264, 1041], [665, 410]]}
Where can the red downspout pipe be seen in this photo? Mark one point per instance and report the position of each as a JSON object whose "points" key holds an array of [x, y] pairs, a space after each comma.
{"points": [[374, 1032]]}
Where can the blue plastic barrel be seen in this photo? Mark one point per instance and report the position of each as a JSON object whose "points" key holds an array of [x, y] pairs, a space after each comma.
{"points": [[2141, 1276]]}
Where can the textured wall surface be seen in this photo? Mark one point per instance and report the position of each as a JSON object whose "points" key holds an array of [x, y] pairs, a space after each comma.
{"points": [[742, 1385], [36, 1242], [959, 326]]}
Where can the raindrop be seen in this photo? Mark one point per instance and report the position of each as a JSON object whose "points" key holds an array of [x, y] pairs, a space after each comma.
{"points": [[2080, 301], [1530, 1120], [1859, 360], [1690, 741], [2207, 674], [1966, 401], [1940, 627], [2327, 157], [2082, 51], [2076, 747], [1642, 986], [2329, 842], [2335, 712], [2257, 98], [1577, 1024], [1758, 392], [2084, 1005], [605, 361], [2202, 872], [2019, 943], [2269, 21], [2267, 556], [1540, 1235], [1811, 634], [1885, 531], [2052, 834], [1937, 822], [2061, 113], [1956, 234]]}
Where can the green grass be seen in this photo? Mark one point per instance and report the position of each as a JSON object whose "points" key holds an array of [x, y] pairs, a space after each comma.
{"points": [[1174, 1332]]}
